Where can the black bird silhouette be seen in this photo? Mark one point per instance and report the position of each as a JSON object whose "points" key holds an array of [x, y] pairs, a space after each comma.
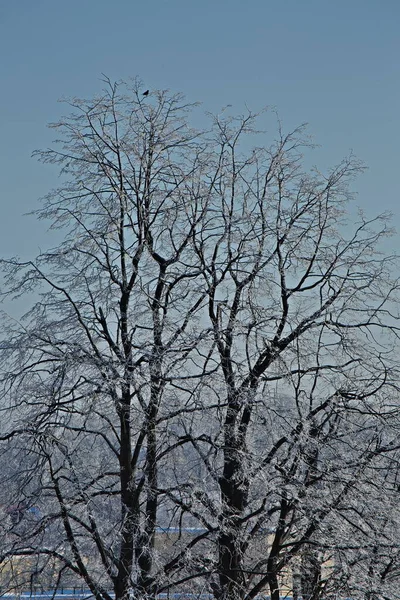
{"points": [[146, 93]]}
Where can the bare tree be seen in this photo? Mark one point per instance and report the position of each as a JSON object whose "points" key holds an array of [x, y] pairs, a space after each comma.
{"points": [[205, 388]]}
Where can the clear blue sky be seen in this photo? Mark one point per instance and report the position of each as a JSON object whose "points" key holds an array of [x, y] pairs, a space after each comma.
{"points": [[334, 64]]}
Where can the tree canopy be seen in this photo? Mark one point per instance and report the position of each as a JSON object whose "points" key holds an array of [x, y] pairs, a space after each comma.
{"points": [[203, 396]]}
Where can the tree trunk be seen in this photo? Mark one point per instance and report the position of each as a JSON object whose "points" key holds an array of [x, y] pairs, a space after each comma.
{"points": [[310, 576], [234, 489], [122, 582]]}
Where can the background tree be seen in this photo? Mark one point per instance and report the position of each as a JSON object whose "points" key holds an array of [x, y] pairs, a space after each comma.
{"points": [[211, 353]]}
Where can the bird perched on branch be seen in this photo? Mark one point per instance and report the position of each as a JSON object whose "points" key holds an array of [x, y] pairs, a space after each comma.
{"points": [[146, 93]]}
